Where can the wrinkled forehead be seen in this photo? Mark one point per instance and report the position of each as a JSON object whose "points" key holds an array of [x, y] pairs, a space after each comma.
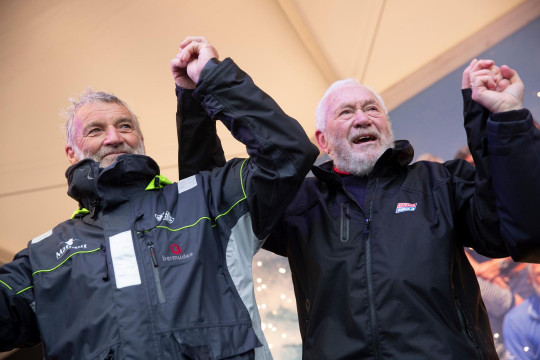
{"points": [[102, 112], [352, 94]]}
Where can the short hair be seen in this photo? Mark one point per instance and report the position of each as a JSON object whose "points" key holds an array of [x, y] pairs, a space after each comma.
{"points": [[88, 97], [320, 112]]}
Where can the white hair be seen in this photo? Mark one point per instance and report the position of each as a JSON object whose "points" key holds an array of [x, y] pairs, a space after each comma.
{"points": [[320, 113]]}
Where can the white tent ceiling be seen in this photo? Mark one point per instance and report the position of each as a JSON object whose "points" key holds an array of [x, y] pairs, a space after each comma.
{"points": [[293, 49]]}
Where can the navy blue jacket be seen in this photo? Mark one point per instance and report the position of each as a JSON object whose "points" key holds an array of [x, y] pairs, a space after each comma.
{"points": [[392, 281]]}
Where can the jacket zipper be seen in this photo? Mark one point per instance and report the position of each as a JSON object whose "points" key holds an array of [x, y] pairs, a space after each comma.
{"points": [[369, 275], [106, 273], [155, 269], [465, 324], [345, 216]]}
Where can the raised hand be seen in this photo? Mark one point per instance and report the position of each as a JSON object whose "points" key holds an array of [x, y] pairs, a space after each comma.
{"points": [[497, 89], [194, 53]]}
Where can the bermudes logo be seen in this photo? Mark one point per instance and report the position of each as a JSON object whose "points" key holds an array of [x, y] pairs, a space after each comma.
{"points": [[179, 257], [165, 216], [64, 246], [176, 249], [402, 207]]}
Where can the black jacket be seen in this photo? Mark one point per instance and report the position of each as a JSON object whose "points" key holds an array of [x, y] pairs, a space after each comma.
{"points": [[154, 270], [383, 283]]}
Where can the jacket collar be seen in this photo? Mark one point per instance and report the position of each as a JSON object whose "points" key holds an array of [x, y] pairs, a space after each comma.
{"points": [[390, 161], [89, 184]]}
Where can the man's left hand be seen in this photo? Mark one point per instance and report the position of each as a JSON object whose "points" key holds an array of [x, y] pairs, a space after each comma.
{"points": [[194, 53]]}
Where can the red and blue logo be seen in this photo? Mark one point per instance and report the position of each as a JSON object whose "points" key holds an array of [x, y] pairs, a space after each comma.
{"points": [[402, 207]]}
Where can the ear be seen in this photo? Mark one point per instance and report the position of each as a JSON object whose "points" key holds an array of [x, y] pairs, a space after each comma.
{"points": [[322, 140], [71, 155]]}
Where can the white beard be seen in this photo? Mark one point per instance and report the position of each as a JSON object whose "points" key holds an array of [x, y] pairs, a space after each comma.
{"points": [[359, 163]]}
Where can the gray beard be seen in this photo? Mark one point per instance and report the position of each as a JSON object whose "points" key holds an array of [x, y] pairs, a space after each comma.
{"points": [[359, 163], [104, 150]]}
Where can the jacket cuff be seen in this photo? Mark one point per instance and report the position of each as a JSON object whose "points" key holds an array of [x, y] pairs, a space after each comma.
{"points": [[510, 122], [466, 94]]}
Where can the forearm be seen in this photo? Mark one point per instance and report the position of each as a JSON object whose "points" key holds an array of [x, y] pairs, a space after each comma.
{"points": [[480, 216], [199, 147], [514, 146], [280, 152]]}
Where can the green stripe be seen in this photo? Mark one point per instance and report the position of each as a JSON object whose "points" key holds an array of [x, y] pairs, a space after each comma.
{"points": [[62, 263], [30, 287], [220, 215], [242, 179], [9, 287], [187, 226]]}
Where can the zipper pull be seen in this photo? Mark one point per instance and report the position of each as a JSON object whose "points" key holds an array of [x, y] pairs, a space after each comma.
{"points": [[346, 211], [366, 231], [106, 275], [345, 216], [152, 253]]}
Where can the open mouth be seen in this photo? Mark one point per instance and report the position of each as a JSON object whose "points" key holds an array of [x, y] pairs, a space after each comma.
{"points": [[364, 139]]}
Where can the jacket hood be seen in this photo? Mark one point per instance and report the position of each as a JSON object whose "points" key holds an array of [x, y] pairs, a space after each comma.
{"points": [[89, 184], [391, 160]]}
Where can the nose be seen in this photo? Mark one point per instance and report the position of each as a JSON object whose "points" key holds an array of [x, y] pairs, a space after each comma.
{"points": [[113, 137], [361, 119]]}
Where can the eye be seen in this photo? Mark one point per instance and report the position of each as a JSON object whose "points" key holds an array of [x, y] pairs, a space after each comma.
{"points": [[345, 112], [125, 128], [94, 132], [372, 109]]}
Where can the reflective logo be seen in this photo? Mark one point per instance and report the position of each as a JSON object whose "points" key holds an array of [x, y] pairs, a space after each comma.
{"points": [[165, 216], [64, 246], [402, 207]]}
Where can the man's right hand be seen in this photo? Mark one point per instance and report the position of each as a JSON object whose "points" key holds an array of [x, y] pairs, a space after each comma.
{"points": [[194, 53], [497, 89]]}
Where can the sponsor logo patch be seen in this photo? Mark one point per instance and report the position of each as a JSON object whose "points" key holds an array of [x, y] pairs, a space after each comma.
{"points": [[178, 255], [402, 207], [165, 216], [71, 244]]}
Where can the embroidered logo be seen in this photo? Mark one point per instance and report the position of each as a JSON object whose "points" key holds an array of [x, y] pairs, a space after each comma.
{"points": [[64, 246], [165, 216], [179, 256], [402, 207], [176, 249]]}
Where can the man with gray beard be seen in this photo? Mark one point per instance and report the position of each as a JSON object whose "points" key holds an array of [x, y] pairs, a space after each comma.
{"points": [[150, 269], [375, 244], [101, 127]]}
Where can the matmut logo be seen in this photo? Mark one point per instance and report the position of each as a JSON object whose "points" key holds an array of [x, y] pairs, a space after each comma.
{"points": [[70, 244], [402, 207]]}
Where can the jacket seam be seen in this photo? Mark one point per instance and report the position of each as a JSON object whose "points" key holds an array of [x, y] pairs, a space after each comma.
{"points": [[62, 263]]}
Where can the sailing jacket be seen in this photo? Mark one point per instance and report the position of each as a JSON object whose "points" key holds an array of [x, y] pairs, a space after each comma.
{"points": [[389, 279], [154, 270]]}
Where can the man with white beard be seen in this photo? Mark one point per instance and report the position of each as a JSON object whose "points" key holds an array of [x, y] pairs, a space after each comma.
{"points": [[370, 135], [375, 244]]}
